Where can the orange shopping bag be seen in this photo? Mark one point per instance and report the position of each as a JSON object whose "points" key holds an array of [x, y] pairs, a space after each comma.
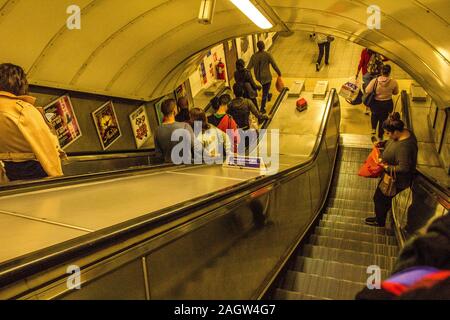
{"points": [[371, 167], [279, 84]]}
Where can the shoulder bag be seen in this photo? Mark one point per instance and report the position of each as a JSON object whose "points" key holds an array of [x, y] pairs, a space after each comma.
{"points": [[370, 98], [387, 184]]}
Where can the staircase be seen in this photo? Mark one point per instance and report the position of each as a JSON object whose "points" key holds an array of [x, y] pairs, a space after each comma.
{"points": [[333, 262]]}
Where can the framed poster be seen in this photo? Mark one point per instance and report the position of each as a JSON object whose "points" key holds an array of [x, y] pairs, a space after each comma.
{"points": [[140, 126], [61, 116], [180, 91], [107, 125]]}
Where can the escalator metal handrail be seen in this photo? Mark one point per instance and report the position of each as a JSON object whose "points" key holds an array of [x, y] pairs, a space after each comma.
{"points": [[438, 189], [22, 267]]}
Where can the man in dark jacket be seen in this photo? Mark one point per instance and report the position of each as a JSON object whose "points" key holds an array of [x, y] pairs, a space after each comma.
{"points": [[244, 77], [261, 62], [240, 108]]}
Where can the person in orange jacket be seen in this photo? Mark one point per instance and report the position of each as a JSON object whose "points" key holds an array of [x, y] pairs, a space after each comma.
{"points": [[28, 148]]}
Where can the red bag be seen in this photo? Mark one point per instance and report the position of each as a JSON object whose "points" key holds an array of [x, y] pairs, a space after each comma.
{"points": [[301, 104], [279, 84], [371, 167]]}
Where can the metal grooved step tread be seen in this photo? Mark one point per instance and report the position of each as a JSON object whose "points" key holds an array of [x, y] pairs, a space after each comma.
{"points": [[367, 206], [326, 287], [353, 226], [348, 213], [333, 269], [348, 256], [358, 236], [354, 245], [334, 261], [352, 194], [282, 294]]}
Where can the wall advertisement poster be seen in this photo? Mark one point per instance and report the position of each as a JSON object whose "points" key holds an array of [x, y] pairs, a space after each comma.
{"points": [[107, 125], [61, 116], [140, 126]]}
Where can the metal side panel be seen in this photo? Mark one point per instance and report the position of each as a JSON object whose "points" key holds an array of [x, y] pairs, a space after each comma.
{"points": [[21, 236], [243, 247], [124, 283], [98, 205]]}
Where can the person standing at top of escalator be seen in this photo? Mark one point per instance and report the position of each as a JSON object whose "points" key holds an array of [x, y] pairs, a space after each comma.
{"points": [[382, 105], [323, 42], [28, 148], [399, 159], [261, 62], [244, 77]]}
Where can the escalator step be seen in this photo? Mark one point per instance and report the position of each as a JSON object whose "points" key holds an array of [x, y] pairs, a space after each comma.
{"points": [[332, 218], [362, 214], [354, 154], [348, 256], [359, 205], [281, 294], [359, 246], [343, 180], [348, 167], [352, 194], [358, 236], [357, 227], [333, 269], [326, 287]]}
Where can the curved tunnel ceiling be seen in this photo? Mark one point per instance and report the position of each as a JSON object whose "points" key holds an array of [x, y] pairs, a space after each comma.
{"points": [[142, 49]]}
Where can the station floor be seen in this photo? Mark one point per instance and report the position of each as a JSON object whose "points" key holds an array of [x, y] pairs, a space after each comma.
{"points": [[296, 57]]}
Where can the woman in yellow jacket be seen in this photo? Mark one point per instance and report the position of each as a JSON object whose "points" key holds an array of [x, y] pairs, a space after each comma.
{"points": [[28, 148]]}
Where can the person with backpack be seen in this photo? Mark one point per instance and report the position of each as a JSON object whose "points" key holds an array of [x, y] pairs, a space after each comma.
{"points": [[224, 121], [244, 77], [261, 62], [240, 108], [384, 87]]}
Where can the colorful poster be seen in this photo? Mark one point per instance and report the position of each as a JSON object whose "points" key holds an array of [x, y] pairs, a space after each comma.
{"points": [[140, 126], [180, 91], [61, 116], [107, 125]]}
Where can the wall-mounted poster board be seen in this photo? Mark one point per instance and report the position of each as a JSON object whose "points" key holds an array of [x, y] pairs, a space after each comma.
{"points": [[61, 116], [140, 126], [107, 125]]}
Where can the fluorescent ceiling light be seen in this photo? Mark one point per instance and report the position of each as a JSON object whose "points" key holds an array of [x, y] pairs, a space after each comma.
{"points": [[252, 13]]}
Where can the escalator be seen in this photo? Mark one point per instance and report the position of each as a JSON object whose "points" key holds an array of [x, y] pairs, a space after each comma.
{"points": [[333, 262], [231, 235]]}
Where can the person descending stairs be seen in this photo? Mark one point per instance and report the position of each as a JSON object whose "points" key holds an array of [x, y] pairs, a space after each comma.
{"points": [[333, 264]]}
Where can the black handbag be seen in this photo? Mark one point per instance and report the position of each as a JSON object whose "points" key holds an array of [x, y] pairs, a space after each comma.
{"points": [[370, 98]]}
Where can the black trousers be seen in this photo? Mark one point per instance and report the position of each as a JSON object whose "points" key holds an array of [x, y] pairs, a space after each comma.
{"points": [[323, 47], [24, 170], [382, 205], [380, 112], [265, 94]]}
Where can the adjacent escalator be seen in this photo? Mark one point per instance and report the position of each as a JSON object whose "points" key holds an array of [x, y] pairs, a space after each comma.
{"points": [[333, 264]]}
